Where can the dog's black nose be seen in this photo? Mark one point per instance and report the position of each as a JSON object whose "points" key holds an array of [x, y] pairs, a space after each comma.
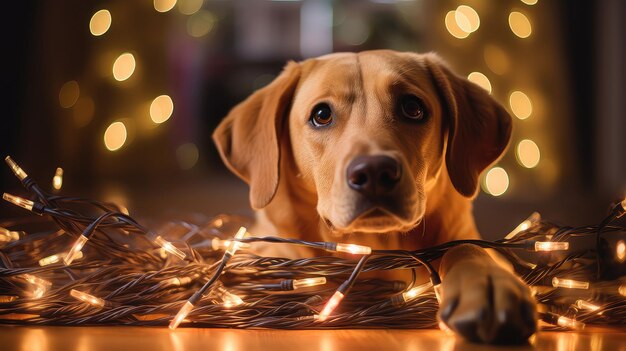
{"points": [[373, 176]]}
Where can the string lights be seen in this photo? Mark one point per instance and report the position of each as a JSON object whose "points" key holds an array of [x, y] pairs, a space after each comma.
{"points": [[217, 282]]}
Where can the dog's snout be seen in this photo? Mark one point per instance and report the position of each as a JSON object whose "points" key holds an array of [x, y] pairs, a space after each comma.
{"points": [[373, 176]]}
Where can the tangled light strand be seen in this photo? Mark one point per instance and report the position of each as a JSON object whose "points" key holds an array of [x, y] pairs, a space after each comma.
{"points": [[121, 273]]}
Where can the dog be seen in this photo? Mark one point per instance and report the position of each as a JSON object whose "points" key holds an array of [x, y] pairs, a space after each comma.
{"points": [[385, 149]]}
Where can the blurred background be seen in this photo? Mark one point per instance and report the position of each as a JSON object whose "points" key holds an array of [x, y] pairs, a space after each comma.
{"points": [[123, 95]]}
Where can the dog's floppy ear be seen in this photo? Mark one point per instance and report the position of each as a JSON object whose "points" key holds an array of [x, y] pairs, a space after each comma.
{"points": [[248, 138], [479, 127]]}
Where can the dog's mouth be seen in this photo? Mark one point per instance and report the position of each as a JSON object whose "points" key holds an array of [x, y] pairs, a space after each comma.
{"points": [[376, 220]]}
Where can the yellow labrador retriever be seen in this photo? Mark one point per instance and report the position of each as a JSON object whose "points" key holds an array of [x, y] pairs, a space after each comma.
{"points": [[384, 149]]}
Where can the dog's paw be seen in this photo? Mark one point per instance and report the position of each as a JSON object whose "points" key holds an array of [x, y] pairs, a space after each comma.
{"points": [[485, 303]]}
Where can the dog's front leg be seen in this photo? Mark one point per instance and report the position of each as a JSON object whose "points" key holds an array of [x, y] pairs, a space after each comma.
{"points": [[482, 301]]}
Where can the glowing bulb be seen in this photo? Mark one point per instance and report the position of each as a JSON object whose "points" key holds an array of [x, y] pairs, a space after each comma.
{"points": [[17, 170], [570, 323], [161, 109], [229, 299], [551, 245], [438, 293], [533, 219], [164, 5], [529, 2], [586, 305], [57, 180], [622, 290], [236, 244], [74, 251], [176, 281], [18, 201], [100, 22], [303, 283], [169, 247], [467, 19], [9, 235], [620, 250], [181, 315], [331, 305], [453, 27], [481, 80], [416, 291], [115, 136], [496, 181], [520, 25], [40, 285], [520, 104], [124, 66], [219, 244], [569, 283], [528, 154], [90, 299], [7, 298], [353, 249], [57, 258]]}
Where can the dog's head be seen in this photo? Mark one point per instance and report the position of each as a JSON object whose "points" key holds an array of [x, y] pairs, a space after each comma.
{"points": [[369, 134]]}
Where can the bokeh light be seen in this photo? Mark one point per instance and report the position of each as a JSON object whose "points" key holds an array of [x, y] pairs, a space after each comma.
{"points": [[115, 136], [620, 250], [529, 2], [187, 155], [467, 19], [481, 80], [496, 181], [496, 59], [124, 66], [520, 24], [189, 7], [161, 109], [520, 104], [453, 27], [528, 154], [100, 22], [200, 23], [164, 5], [69, 93], [83, 111]]}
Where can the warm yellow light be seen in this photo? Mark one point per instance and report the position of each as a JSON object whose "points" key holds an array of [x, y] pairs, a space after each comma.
{"points": [[570, 323], [9, 235], [219, 244], [177, 281], [453, 27], [100, 22], [416, 291], [520, 25], [353, 249], [124, 66], [330, 306], [40, 285], [164, 5], [57, 180], [181, 315], [229, 299], [187, 155], [569, 283], [18, 201], [161, 109], [534, 218], [551, 245], [115, 136], [69, 93], [303, 283], [234, 245], [90, 299], [529, 2], [8, 298], [57, 258], [520, 104], [169, 247], [622, 290], [481, 80], [189, 7], [586, 305], [496, 181], [467, 19], [74, 252], [528, 154], [620, 250], [17, 170], [201, 23], [496, 59]]}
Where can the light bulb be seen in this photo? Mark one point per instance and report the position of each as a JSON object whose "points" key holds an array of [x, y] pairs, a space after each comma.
{"points": [[219, 244], [229, 299], [569, 323], [18, 201], [9, 235], [181, 315], [438, 292], [416, 291], [622, 290], [177, 281], [303, 283], [74, 251], [57, 180], [90, 299], [331, 305], [40, 285], [551, 245], [169, 247], [7, 298], [234, 245], [17, 170], [569, 283], [353, 249], [586, 305], [534, 218], [57, 258]]}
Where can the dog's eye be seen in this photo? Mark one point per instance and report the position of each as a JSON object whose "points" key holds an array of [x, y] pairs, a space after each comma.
{"points": [[412, 108], [321, 115]]}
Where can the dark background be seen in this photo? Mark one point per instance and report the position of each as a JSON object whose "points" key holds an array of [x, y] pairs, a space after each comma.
{"points": [[571, 68]]}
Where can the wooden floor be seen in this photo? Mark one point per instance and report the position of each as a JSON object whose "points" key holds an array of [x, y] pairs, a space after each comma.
{"points": [[190, 339]]}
